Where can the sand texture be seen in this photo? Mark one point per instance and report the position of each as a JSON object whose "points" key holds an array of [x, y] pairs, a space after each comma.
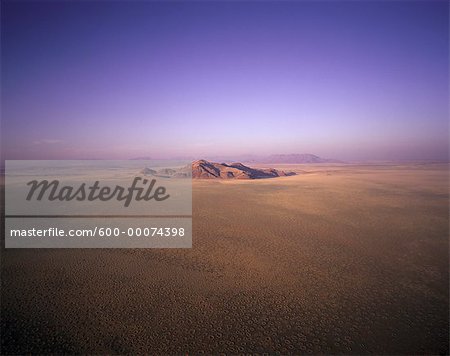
{"points": [[337, 259]]}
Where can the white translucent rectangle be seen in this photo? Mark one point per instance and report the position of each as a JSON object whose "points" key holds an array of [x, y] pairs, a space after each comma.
{"points": [[81, 194]]}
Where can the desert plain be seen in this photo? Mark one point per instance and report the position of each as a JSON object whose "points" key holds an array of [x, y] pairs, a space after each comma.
{"points": [[339, 259]]}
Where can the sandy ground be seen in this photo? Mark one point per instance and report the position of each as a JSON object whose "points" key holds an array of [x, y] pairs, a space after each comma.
{"points": [[340, 259]]}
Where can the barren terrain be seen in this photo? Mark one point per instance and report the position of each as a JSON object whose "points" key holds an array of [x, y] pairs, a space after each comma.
{"points": [[338, 259]]}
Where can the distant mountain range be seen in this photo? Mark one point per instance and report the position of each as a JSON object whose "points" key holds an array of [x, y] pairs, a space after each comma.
{"points": [[203, 169], [275, 158], [278, 158], [296, 158]]}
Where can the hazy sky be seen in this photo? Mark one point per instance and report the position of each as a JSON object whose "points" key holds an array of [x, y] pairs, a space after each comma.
{"points": [[344, 79]]}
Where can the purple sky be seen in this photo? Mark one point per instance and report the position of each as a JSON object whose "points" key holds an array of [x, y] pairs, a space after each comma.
{"points": [[346, 80]]}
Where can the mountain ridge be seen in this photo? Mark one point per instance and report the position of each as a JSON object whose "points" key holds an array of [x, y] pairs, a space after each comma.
{"points": [[203, 169]]}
